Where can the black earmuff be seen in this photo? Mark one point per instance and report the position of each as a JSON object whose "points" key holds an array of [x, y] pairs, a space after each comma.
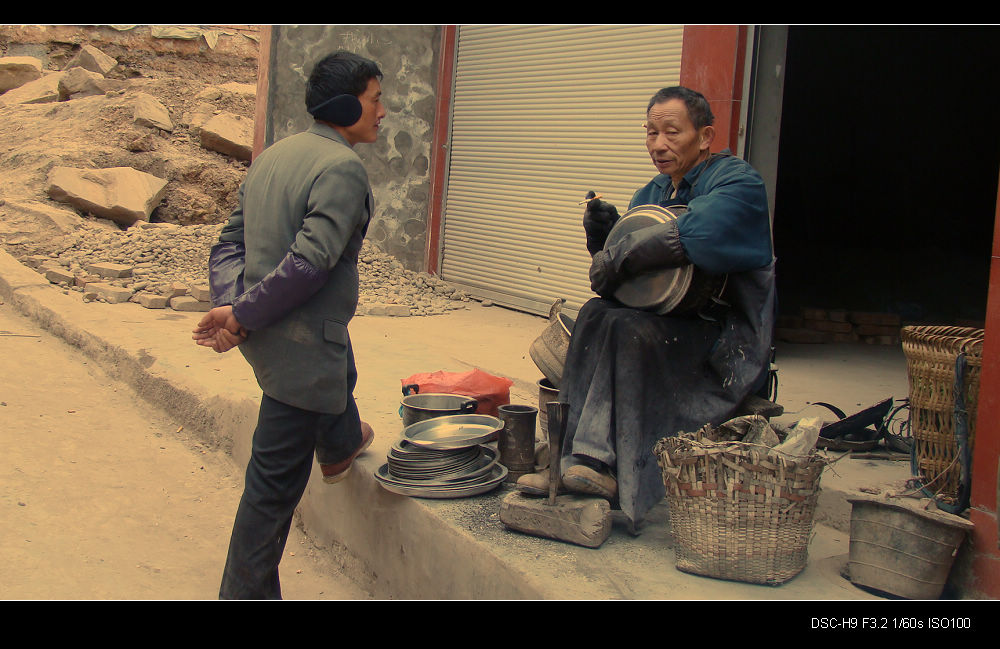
{"points": [[342, 110]]}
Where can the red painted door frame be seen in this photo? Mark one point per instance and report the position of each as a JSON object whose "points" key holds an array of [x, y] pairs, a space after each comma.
{"points": [[712, 62], [439, 146], [261, 107], [985, 569]]}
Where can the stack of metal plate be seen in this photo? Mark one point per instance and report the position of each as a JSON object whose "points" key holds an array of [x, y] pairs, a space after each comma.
{"points": [[444, 459]]}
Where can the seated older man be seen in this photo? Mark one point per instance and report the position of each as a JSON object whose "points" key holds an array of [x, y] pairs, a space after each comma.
{"points": [[633, 376]]}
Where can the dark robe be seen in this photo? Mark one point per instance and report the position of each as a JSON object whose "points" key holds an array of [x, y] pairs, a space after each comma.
{"points": [[632, 377]]}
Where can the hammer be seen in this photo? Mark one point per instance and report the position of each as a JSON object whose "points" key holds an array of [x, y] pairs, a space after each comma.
{"points": [[574, 518]]}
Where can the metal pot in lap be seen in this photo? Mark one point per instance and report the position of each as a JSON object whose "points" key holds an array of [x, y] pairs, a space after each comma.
{"points": [[677, 291]]}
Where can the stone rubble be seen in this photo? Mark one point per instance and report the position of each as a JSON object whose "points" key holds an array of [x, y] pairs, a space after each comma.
{"points": [[161, 265]]}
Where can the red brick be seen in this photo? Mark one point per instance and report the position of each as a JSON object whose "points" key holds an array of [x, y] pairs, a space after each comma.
{"points": [[828, 325], [789, 321], [880, 340], [876, 330], [814, 314], [861, 317], [801, 336]]}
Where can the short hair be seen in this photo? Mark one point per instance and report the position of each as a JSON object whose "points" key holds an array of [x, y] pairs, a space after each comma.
{"points": [[697, 106], [340, 73]]}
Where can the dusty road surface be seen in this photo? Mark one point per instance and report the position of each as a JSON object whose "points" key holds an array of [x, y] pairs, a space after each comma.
{"points": [[105, 498]]}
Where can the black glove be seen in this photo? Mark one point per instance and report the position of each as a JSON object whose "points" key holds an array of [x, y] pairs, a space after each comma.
{"points": [[655, 246], [598, 219], [604, 277]]}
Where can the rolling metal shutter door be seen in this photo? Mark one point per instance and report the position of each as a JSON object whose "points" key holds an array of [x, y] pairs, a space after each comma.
{"points": [[541, 115]]}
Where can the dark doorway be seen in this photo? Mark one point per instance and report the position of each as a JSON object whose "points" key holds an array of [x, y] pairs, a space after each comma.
{"points": [[887, 172]]}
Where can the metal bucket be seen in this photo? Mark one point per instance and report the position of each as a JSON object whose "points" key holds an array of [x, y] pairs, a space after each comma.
{"points": [[548, 351], [420, 407], [903, 550]]}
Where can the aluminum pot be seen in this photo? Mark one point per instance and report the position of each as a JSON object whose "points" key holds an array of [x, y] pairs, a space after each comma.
{"points": [[420, 407]]}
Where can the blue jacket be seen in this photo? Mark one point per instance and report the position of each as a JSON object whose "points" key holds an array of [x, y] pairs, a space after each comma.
{"points": [[726, 229]]}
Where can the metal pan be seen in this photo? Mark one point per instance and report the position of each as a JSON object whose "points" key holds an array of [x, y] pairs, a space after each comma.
{"points": [[677, 291], [416, 471], [659, 290], [480, 465], [453, 431], [487, 483], [432, 457], [404, 450]]}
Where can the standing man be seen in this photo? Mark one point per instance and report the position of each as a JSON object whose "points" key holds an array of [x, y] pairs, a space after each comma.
{"points": [[631, 376], [284, 282]]}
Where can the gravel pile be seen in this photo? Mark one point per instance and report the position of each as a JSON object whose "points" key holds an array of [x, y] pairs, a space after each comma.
{"points": [[166, 257]]}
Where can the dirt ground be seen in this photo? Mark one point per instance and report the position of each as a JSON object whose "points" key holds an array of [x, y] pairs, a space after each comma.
{"points": [[105, 498], [99, 132]]}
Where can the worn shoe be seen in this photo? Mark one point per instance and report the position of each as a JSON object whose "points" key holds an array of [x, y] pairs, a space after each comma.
{"points": [[336, 472], [537, 484], [583, 479]]}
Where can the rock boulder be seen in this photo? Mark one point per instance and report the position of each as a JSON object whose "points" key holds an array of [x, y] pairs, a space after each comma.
{"points": [[93, 59], [15, 71], [122, 194], [229, 134], [150, 112], [80, 82], [42, 90]]}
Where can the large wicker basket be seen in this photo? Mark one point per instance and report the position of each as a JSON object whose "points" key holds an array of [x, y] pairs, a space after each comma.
{"points": [[931, 356], [739, 511]]}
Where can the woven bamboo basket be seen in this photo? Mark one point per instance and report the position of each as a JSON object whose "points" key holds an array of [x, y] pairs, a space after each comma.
{"points": [[739, 511], [931, 355]]}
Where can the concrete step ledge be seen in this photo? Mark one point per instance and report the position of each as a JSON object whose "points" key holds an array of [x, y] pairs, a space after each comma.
{"points": [[395, 546]]}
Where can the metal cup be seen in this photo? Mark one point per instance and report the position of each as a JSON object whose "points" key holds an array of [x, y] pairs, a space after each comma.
{"points": [[516, 440]]}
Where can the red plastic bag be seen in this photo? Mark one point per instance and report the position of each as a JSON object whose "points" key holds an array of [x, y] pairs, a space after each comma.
{"points": [[490, 391]]}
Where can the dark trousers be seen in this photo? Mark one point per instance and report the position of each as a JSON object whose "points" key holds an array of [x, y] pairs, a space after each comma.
{"points": [[284, 442]]}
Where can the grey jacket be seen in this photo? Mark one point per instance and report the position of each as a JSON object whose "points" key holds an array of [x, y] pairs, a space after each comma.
{"points": [[308, 195]]}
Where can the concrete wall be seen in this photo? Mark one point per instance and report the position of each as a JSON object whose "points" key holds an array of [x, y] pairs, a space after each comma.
{"points": [[399, 162]]}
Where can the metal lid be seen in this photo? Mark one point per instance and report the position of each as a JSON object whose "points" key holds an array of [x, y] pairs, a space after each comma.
{"points": [[452, 431], [659, 290]]}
